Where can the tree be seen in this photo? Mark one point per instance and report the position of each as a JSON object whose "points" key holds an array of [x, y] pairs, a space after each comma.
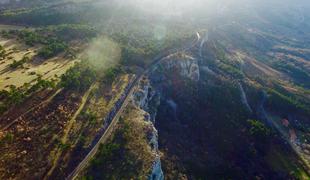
{"points": [[258, 130], [2, 53], [16, 64], [15, 95], [78, 78], [52, 48]]}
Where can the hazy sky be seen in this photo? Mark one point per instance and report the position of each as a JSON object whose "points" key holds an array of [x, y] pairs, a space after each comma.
{"points": [[215, 7]]}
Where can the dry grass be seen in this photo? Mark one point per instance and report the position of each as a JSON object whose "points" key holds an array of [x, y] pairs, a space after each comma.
{"points": [[34, 137], [137, 142], [9, 27], [48, 69], [80, 135]]}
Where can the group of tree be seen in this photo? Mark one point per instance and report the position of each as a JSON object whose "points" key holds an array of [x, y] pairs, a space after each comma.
{"points": [[300, 75], [69, 32], [30, 37], [2, 53], [226, 65], [41, 84], [52, 45], [258, 130], [11, 97], [16, 95], [15, 64], [286, 104], [89, 116], [111, 73], [42, 16], [53, 48], [78, 78]]}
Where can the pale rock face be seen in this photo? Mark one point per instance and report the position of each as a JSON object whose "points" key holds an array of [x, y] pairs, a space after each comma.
{"points": [[186, 65], [244, 99], [157, 173], [140, 97], [146, 99]]}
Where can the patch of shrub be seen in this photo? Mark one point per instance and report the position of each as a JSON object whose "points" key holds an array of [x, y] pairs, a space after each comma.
{"points": [[63, 146], [53, 48], [234, 72], [105, 151], [68, 32], [11, 97], [15, 64], [79, 78], [30, 37], [3, 107], [112, 73], [258, 129], [41, 84], [15, 95], [299, 74], [90, 116], [2, 53], [8, 138], [285, 104]]}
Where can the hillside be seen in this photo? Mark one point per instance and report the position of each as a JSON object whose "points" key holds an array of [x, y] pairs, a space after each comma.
{"points": [[134, 90]]}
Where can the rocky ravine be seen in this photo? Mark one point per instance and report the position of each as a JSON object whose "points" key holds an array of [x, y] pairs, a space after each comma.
{"points": [[148, 97]]}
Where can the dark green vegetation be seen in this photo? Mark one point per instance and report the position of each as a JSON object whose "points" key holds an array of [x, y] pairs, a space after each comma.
{"points": [[79, 78], [89, 116], [54, 39], [51, 46], [127, 150], [52, 49], [11, 97], [43, 16], [234, 146], [136, 38], [287, 103], [224, 64], [16, 64], [15, 96], [112, 73], [7, 139], [300, 75], [140, 50], [82, 75], [258, 130], [111, 153], [69, 32], [2, 53], [41, 84]]}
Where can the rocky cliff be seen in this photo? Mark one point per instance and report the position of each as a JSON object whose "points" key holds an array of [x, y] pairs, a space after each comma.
{"points": [[148, 96], [179, 64], [147, 100]]}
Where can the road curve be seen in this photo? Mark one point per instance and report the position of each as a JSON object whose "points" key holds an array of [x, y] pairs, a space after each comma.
{"points": [[123, 105]]}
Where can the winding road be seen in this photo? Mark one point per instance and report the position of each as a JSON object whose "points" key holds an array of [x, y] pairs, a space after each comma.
{"points": [[124, 102]]}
